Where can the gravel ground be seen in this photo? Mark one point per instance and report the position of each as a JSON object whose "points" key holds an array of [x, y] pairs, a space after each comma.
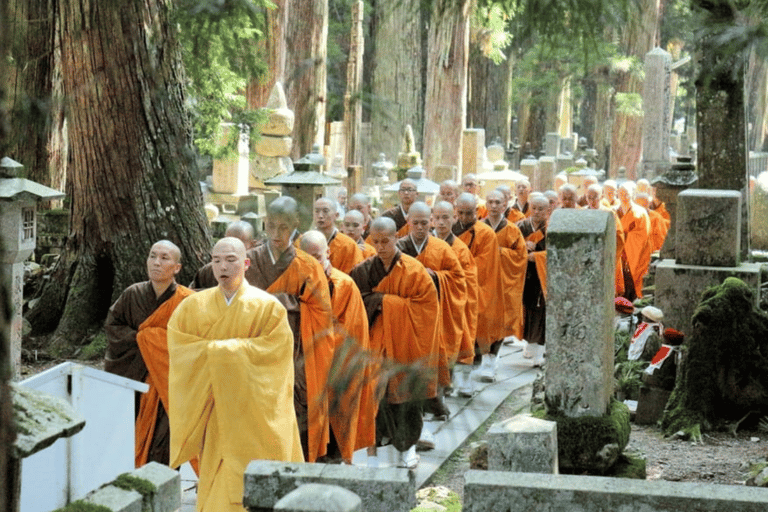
{"points": [[720, 459]]}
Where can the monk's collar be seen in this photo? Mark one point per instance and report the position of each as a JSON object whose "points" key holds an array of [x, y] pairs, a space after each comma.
{"points": [[496, 225], [419, 247], [333, 234], [448, 238], [394, 261], [285, 254]]}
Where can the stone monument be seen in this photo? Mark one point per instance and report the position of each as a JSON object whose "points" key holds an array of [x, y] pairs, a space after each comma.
{"points": [[657, 116]]}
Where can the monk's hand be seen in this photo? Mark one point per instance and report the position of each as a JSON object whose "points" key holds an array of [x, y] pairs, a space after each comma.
{"points": [[531, 246]]}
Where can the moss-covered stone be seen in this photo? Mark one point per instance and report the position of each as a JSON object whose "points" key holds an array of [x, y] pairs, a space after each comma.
{"points": [[82, 506], [95, 349], [128, 482], [629, 466], [592, 444], [725, 375]]}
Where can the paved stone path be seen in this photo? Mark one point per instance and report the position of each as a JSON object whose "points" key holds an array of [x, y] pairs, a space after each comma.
{"points": [[467, 414]]}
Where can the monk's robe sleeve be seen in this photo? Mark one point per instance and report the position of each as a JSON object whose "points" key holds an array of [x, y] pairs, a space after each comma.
{"points": [[372, 300], [123, 355], [514, 262]]}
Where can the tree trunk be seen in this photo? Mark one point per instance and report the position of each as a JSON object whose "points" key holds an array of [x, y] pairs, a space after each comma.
{"points": [[757, 87], [488, 99], [398, 75], [638, 38], [132, 161], [720, 126], [353, 104], [272, 50], [445, 102], [306, 34]]}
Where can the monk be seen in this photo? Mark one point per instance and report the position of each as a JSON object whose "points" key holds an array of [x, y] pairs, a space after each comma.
{"points": [[350, 390], [484, 246], [511, 214], [354, 227], [609, 199], [568, 196], [463, 352], [554, 200], [534, 230], [402, 306], [239, 229], [636, 255], [594, 203], [230, 381], [514, 262], [659, 225], [588, 182], [298, 281], [345, 253], [469, 184], [137, 347], [449, 191], [408, 194], [362, 203], [522, 191], [445, 269], [658, 205]]}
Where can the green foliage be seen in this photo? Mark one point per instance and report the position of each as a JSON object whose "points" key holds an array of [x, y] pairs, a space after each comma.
{"points": [[220, 42], [129, 482], [629, 104], [621, 342], [96, 348], [629, 466], [627, 375], [489, 26]]}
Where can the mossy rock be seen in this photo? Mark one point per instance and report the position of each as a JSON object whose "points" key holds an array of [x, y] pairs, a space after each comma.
{"points": [[725, 371], [592, 444], [629, 466]]}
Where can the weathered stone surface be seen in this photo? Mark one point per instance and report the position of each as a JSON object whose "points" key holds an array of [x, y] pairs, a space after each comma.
{"points": [[657, 114], [679, 288], [478, 455], [523, 444], [41, 419], [380, 489], [708, 227], [581, 248], [484, 491], [552, 144], [443, 172], [279, 122], [494, 153], [167, 482], [650, 405], [758, 480], [564, 161], [277, 97], [117, 500], [544, 175], [528, 167], [472, 151], [268, 145], [229, 177], [319, 498], [265, 167]]}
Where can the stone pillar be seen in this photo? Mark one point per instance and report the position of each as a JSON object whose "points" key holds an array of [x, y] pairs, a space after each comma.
{"points": [[552, 144], [564, 161], [230, 174], [319, 498], [523, 444], [657, 115], [443, 172], [354, 179], [581, 259], [678, 178], [273, 149], [545, 175], [529, 167], [472, 151]]}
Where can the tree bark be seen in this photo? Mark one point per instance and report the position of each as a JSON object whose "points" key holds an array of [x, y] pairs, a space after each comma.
{"points": [[398, 75], [757, 87], [445, 102], [306, 34], [132, 161], [272, 51], [488, 98]]}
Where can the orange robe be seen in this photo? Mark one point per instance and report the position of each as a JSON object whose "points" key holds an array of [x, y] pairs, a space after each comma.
{"points": [[637, 243], [401, 222], [658, 206], [403, 303], [367, 249], [535, 290], [350, 370], [344, 252], [464, 352], [618, 275], [484, 247], [300, 277], [514, 262], [659, 227], [152, 339], [482, 212], [444, 267], [514, 215]]}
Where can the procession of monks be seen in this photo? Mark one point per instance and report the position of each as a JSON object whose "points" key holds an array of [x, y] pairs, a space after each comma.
{"points": [[311, 346]]}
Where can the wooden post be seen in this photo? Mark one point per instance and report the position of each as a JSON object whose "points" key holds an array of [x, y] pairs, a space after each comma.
{"points": [[354, 179]]}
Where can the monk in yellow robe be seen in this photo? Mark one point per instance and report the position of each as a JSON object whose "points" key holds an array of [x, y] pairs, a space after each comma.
{"points": [[354, 227], [445, 269], [484, 246], [402, 306], [137, 346], [408, 193], [463, 353], [351, 389], [534, 229], [594, 203], [636, 255], [345, 253], [238, 229], [514, 262], [298, 281], [230, 381]]}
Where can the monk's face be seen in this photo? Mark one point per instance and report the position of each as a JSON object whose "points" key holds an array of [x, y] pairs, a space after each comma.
{"points": [[469, 186], [539, 212], [609, 193], [507, 192], [523, 191], [353, 227], [229, 265], [407, 193], [448, 193], [593, 199], [324, 215], [568, 199], [385, 244], [162, 263], [442, 220], [466, 213], [418, 222], [320, 253], [279, 229], [362, 207], [495, 204], [624, 197]]}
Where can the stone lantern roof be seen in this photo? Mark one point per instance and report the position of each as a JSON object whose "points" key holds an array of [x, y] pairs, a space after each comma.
{"points": [[11, 186], [423, 185]]}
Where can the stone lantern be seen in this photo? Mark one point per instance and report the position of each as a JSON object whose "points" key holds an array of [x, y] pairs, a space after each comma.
{"points": [[19, 198], [305, 184]]}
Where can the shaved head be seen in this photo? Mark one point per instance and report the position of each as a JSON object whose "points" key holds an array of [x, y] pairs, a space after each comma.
{"points": [[362, 203], [538, 198], [313, 242], [419, 207], [506, 190], [568, 196], [443, 206], [353, 225], [284, 206], [172, 248], [354, 215], [229, 264], [384, 225], [235, 243], [442, 218], [242, 230], [163, 263], [466, 199]]}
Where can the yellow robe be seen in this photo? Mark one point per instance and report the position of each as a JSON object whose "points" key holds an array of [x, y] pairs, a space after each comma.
{"points": [[230, 387], [514, 263]]}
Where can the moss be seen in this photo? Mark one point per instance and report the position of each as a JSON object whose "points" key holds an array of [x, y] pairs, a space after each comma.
{"points": [[82, 506], [629, 466], [96, 348], [579, 440], [129, 482], [451, 502]]}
